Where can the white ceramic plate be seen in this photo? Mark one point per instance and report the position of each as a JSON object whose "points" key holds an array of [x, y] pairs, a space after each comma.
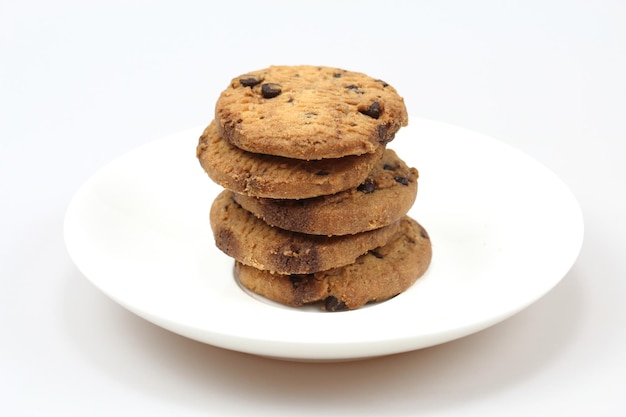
{"points": [[504, 229]]}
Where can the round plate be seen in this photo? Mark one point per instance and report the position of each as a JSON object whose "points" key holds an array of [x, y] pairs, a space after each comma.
{"points": [[504, 230]]}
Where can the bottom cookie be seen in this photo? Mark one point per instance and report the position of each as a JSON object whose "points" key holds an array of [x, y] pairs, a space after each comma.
{"points": [[376, 276]]}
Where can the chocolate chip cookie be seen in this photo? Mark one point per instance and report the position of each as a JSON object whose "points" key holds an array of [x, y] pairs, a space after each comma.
{"points": [[309, 112], [278, 177], [249, 240], [382, 198], [378, 275]]}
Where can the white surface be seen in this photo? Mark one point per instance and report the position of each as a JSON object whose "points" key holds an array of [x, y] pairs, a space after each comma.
{"points": [[140, 233], [84, 82]]}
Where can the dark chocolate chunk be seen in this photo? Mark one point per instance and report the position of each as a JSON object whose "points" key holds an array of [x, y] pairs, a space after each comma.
{"points": [[376, 254], [332, 303], [368, 186], [249, 81], [402, 180], [322, 173], [388, 167], [372, 111], [271, 90]]}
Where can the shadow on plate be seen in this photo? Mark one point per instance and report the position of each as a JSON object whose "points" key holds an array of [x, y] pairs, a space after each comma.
{"points": [[172, 368]]}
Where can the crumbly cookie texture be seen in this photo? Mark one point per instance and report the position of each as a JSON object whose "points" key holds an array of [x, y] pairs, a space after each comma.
{"points": [[249, 240], [277, 177], [378, 275], [309, 112], [384, 197]]}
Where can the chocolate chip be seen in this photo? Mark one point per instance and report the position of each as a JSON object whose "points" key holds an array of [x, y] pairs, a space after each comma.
{"points": [[388, 167], [337, 75], [332, 303], [271, 90], [402, 180], [367, 187], [372, 111], [296, 280], [249, 81], [355, 88], [376, 254], [383, 83], [322, 173], [384, 134]]}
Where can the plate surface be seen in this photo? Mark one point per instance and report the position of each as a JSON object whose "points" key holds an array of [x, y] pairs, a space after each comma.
{"points": [[505, 230]]}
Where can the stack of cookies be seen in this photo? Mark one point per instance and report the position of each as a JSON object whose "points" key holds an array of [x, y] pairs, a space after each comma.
{"points": [[315, 206]]}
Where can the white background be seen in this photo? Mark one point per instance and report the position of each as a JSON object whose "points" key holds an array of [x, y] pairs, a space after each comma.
{"points": [[84, 82]]}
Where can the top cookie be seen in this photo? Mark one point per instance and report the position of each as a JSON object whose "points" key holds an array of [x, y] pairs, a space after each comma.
{"points": [[308, 112]]}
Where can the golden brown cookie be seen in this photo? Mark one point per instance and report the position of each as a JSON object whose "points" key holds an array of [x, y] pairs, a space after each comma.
{"points": [[378, 275], [278, 177], [382, 198], [248, 239], [309, 112]]}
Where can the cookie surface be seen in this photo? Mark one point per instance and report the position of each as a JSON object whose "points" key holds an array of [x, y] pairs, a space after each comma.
{"points": [[248, 239], [382, 198], [309, 112], [376, 276], [278, 177]]}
